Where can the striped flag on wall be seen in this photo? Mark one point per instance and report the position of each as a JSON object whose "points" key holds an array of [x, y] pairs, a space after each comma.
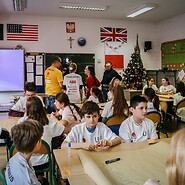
{"points": [[22, 32]]}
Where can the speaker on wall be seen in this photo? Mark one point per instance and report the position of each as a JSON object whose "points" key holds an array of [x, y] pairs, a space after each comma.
{"points": [[147, 46]]}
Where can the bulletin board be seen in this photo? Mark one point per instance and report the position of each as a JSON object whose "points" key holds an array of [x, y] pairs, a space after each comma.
{"points": [[173, 54], [34, 69]]}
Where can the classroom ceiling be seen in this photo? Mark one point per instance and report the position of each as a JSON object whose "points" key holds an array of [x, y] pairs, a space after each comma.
{"points": [[116, 9]]}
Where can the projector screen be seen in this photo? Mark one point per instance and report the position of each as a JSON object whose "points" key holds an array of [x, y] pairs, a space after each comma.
{"points": [[11, 70]]}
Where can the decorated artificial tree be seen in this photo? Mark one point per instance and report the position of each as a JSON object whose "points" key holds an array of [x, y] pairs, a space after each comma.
{"points": [[135, 73]]}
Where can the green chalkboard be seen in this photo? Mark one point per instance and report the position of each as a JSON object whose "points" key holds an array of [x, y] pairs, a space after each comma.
{"points": [[82, 60], [173, 54]]}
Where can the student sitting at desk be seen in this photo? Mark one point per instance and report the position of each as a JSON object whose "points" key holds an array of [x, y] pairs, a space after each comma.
{"points": [[69, 112], [150, 84], [137, 128], [166, 88], [180, 95], [52, 128], [153, 100], [96, 95], [18, 109], [117, 106], [91, 134], [27, 140]]}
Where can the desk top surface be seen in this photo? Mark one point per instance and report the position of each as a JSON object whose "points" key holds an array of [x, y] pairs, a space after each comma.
{"points": [[71, 166]]}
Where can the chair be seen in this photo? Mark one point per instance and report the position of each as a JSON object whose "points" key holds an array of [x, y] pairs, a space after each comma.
{"points": [[181, 104], [114, 122], [2, 176], [156, 118], [44, 149]]}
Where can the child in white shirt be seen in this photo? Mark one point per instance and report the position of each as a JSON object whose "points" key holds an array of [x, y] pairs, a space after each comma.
{"points": [[137, 128], [96, 95], [91, 134]]}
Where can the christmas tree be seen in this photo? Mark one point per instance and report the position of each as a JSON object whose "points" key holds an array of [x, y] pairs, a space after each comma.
{"points": [[135, 73]]}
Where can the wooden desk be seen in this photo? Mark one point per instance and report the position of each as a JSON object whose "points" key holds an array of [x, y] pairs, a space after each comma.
{"points": [[165, 97], [71, 167]]}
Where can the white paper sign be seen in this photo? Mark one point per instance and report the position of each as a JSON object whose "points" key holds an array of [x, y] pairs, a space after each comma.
{"points": [[39, 60], [29, 59], [38, 80], [29, 67], [39, 70], [30, 77]]}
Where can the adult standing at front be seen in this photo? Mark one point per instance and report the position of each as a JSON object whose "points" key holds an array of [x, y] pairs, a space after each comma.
{"points": [[91, 79], [53, 83], [108, 74], [73, 84]]}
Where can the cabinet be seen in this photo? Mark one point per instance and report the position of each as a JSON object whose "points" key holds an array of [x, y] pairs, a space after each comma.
{"points": [[159, 74]]}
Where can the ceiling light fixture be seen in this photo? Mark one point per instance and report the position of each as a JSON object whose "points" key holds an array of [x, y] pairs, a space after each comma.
{"points": [[141, 10], [19, 5], [83, 7]]}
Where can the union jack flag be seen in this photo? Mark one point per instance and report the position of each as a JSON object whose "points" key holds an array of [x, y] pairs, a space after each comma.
{"points": [[108, 34]]}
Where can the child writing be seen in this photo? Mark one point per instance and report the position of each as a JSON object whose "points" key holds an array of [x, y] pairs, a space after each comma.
{"points": [[137, 128], [96, 95], [91, 134], [153, 100], [68, 112], [27, 140], [18, 109]]}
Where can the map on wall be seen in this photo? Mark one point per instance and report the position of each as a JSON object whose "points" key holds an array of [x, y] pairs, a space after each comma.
{"points": [[173, 54]]}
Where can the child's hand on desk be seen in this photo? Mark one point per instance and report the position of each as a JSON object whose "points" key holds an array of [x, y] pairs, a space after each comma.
{"points": [[103, 143], [88, 146]]}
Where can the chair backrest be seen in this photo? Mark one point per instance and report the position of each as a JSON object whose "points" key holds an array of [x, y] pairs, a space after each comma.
{"points": [[44, 149], [114, 122], [180, 104], [2, 176], [154, 116], [164, 106]]}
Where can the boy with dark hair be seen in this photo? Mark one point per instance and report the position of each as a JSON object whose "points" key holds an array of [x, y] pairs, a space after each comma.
{"points": [[137, 128], [91, 134], [18, 109], [27, 140]]}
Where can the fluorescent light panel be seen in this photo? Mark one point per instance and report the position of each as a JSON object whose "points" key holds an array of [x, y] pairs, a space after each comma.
{"points": [[141, 10], [83, 7], [19, 5]]}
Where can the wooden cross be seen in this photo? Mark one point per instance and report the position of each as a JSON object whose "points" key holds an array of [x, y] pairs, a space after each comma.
{"points": [[70, 40]]}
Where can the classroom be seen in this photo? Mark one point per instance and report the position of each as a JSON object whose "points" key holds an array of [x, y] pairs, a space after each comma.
{"points": [[79, 35]]}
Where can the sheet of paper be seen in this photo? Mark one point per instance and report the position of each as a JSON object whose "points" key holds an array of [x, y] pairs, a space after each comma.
{"points": [[30, 77], [38, 80], [181, 74], [39, 60], [39, 70], [29, 67], [29, 59]]}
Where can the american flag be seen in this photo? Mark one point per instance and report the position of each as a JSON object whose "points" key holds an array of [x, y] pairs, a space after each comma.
{"points": [[22, 32], [108, 34]]}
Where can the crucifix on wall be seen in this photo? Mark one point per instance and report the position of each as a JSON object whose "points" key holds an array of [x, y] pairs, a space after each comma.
{"points": [[70, 40]]}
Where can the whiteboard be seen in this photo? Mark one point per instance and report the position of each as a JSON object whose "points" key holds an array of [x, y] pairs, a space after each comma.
{"points": [[11, 70]]}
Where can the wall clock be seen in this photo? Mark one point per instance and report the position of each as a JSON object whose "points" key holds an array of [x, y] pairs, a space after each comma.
{"points": [[81, 41]]}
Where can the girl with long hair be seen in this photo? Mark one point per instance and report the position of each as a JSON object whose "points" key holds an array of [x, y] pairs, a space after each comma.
{"points": [[153, 100], [117, 106], [91, 79], [52, 128], [96, 95], [150, 84]]}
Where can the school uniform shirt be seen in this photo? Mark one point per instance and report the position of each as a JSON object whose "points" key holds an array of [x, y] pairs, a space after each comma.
{"points": [[109, 95], [21, 104], [73, 82], [130, 131], [68, 115], [154, 87], [93, 99], [53, 77], [167, 88], [20, 172], [150, 107], [181, 111], [51, 130], [79, 133], [107, 110]]}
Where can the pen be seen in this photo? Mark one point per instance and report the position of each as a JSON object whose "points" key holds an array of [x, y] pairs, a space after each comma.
{"points": [[112, 160]]}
